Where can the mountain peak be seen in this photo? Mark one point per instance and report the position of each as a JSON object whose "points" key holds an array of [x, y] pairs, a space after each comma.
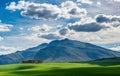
{"points": [[66, 39]]}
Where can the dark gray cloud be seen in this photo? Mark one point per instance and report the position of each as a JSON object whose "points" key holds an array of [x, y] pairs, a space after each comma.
{"points": [[107, 19], [41, 11], [70, 9], [88, 27], [67, 10], [50, 36], [73, 11], [63, 31], [101, 22]]}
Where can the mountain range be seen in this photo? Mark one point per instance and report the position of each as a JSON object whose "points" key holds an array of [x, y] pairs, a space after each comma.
{"points": [[65, 50]]}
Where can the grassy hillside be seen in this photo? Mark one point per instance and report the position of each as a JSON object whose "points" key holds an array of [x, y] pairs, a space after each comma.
{"points": [[59, 69], [106, 61]]}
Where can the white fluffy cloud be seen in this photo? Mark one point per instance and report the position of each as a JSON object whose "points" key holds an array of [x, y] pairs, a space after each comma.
{"points": [[115, 48], [40, 28], [85, 1], [5, 27], [6, 50], [72, 10], [117, 0], [110, 7], [14, 6], [45, 31], [1, 38], [98, 3], [48, 11]]}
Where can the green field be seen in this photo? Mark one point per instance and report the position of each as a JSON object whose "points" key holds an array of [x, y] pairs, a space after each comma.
{"points": [[59, 69]]}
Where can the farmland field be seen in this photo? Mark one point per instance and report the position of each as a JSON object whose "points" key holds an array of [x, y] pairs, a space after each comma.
{"points": [[59, 69]]}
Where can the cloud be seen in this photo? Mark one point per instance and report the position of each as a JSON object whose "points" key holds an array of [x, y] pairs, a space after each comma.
{"points": [[85, 1], [6, 50], [16, 6], [48, 11], [35, 10], [87, 24], [40, 28], [44, 11], [48, 32], [107, 36], [100, 22], [5, 27], [1, 38], [117, 0], [107, 18], [89, 27], [99, 3], [115, 48], [50, 36], [72, 10], [63, 31], [101, 7], [22, 42]]}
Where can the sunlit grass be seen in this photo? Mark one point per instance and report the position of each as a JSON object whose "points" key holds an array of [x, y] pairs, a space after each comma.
{"points": [[59, 69]]}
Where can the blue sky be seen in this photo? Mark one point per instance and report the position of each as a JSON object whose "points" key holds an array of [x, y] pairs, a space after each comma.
{"points": [[28, 23]]}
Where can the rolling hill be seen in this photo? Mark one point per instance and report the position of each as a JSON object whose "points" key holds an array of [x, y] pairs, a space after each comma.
{"points": [[106, 61], [59, 69]]}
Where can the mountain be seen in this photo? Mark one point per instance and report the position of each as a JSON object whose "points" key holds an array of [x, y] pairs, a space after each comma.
{"points": [[60, 51], [19, 56], [73, 51]]}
